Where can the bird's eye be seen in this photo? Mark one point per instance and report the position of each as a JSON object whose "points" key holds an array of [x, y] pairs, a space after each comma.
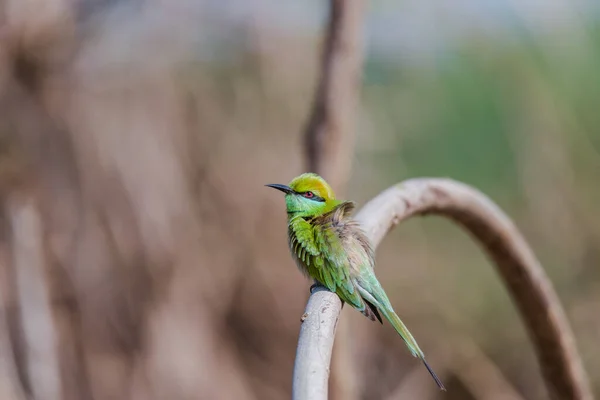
{"points": [[309, 195]]}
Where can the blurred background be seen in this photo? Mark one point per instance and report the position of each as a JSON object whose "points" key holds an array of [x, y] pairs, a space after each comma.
{"points": [[142, 257]]}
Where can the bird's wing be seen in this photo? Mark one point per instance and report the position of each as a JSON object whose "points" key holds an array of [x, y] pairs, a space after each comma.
{"points": [[302, 241], [318, 245], [334, 264]]}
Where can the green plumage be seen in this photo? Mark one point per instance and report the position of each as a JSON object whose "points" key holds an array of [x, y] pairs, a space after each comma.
{"points": [[330, 247]]}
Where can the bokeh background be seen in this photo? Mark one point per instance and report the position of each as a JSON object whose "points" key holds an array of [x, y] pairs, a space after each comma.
{"points": [[142, 258]]}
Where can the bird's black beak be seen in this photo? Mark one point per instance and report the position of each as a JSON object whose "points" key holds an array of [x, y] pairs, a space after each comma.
{"points": [[283, 188]]}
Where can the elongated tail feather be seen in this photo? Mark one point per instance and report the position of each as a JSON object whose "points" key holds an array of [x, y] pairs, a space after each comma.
{"points": [[411, 343], [434, 376], [404, 333]]}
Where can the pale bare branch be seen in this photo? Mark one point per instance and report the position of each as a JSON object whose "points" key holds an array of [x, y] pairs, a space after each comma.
{"points": [[38, 326], [329, 136], [522, 273]]}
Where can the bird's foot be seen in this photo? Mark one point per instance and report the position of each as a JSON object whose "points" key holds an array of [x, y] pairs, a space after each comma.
{"points": [[316, 285], [303, 317]]}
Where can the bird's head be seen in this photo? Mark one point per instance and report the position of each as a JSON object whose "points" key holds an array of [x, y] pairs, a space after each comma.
{"points": [[307, 195]]}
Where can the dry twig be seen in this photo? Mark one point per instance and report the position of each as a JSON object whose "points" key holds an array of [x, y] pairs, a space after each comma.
{"points": [[523, 275]]}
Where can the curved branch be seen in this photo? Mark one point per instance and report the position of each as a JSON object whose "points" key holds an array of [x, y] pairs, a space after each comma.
{"points": [[522, 273]]}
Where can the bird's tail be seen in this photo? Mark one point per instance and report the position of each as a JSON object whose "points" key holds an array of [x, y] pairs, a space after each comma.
{"points": [[410, 341]]}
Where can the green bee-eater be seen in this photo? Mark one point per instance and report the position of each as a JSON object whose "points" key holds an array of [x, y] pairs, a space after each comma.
{"points": [[330, 247]]}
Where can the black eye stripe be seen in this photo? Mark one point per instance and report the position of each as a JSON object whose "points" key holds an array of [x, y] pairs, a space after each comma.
{"points": [[314, 196]]}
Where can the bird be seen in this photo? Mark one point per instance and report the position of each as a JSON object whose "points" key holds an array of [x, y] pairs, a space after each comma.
{"points": [[329, 246]]}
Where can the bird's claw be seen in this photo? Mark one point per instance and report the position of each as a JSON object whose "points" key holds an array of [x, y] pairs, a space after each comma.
{"points": [[314, 286], [303, 317]]}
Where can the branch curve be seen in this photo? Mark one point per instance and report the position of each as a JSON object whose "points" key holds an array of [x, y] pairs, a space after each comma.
{"points": [[520, 270]]}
